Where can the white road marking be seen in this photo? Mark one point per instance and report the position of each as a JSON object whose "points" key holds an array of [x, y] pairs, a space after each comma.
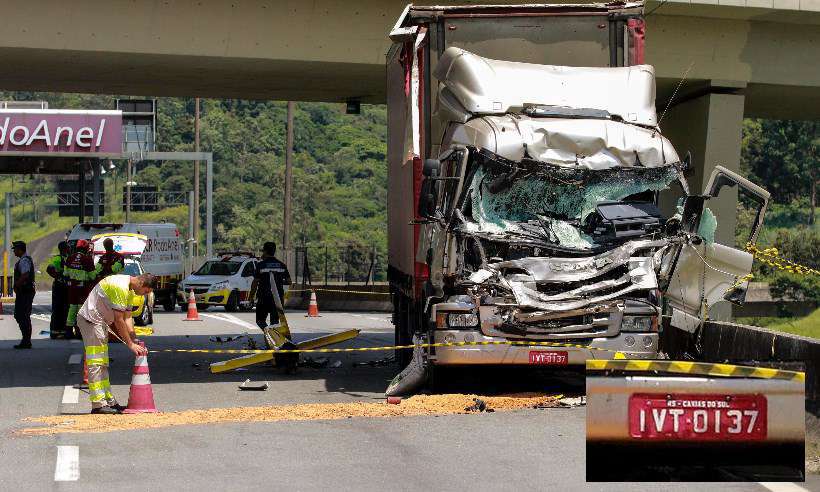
{"points": [[783, 487], [71, 395], [230, 319], [75, 340], [42, 317], [75, 358], [368, 317], [68, 464]]}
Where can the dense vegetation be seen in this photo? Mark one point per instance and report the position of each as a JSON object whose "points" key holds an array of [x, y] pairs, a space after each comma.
{"points": [[783, 157], [340, 177]]}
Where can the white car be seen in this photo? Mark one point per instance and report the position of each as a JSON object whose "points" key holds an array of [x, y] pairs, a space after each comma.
{"points": [[223, 281]]}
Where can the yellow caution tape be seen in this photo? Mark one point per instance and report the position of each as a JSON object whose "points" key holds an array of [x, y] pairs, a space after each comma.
{"points": [[771, 257], [143, 331], [699, 368], [389, 347]]}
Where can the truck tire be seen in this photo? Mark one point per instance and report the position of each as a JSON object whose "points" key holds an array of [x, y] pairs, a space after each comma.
{"points": [[201, 307], [169, 305], [233, 302]]}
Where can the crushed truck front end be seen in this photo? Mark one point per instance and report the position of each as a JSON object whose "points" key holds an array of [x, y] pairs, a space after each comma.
{"points": [[537, 214]]}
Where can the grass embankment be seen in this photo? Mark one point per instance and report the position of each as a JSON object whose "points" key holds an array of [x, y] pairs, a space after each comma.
{"points": [[808, 326]]}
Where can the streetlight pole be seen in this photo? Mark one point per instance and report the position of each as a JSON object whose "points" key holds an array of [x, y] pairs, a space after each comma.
{"points": [[196, 177], [286, 229]]}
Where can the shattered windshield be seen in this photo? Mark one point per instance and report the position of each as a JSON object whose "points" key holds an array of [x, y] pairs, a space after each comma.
{"points": [[556, 200]]}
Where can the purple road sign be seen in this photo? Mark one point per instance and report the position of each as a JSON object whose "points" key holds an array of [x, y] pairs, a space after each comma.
{"points": [[60, 131]]}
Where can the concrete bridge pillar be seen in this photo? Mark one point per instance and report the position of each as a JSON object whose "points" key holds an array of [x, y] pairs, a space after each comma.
{"points": [[707, 121]]}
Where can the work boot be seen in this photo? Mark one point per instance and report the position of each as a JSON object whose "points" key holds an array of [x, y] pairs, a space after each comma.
{"points": [[118, 407], [105, 410], [23, 345]]}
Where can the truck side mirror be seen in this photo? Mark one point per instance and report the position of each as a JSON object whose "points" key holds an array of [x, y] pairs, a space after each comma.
{"points": [[736, 295], [431, 167], [692, 210], [428, 198], [686, 163]]}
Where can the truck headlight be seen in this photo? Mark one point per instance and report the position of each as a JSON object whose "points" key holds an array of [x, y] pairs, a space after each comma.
{"points": [[218, 286], [637, 323], [462, 320]]}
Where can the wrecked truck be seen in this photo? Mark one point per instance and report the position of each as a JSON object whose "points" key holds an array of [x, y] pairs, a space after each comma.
{"points": [[542, 203]]}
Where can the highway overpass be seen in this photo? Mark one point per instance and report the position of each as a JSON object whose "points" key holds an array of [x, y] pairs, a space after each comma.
{"points": [[329, 50]]}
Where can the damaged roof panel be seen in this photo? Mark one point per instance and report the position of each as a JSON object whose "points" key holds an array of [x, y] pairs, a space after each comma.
{"points": [[485, 86]]}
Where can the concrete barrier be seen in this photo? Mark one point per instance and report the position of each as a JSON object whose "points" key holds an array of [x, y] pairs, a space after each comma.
{"points": [[729, 342], [343, 298]]}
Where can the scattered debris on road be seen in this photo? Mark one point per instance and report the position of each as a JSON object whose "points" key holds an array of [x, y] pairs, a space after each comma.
{"points": [[479, 405], [578, 401], [314, 363], [376, 363], [218, 339], [248, 386], [449, 404]]}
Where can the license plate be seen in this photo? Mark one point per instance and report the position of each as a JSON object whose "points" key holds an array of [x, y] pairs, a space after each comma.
{"points": [[549, 357], [675, 417]]}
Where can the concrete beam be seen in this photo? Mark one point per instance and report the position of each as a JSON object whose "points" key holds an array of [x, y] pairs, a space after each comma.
{"points": [[330, 51]]}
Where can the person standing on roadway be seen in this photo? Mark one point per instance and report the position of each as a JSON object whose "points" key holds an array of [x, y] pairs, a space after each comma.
{"points": [[111, 262], [59, 289], [108, 306], [23, 292], [265, 304], [81, 273]]}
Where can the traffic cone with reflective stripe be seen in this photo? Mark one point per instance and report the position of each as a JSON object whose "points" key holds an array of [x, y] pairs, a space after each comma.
{"points": [[141, 396], [193, 314], [85, 372], [313, 307]]}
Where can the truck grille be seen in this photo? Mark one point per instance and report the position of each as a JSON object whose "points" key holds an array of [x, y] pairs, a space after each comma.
{"points": [[555, 288]]}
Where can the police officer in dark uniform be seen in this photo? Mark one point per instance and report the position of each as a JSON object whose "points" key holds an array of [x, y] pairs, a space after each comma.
{"points": [[23, 292], [59, 289], [265, 304]]}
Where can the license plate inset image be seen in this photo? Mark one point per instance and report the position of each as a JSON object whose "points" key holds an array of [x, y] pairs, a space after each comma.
{"points": [[703, 417]]}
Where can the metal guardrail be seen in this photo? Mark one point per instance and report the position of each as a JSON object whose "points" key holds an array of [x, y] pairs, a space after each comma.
{"points": [[339, 264]]}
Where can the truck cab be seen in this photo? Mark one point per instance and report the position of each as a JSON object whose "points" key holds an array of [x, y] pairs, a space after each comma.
{"points": [[547, 205]]}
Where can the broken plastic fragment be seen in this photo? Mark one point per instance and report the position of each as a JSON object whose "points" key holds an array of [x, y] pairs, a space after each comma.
{"points": [[708, 226]]}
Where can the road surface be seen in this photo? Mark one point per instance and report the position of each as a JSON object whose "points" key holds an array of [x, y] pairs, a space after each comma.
{"points": [[533, 449]]}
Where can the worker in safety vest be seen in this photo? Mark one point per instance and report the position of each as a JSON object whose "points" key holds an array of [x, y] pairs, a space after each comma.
{"points": [[264, 295], [80, 273], [23, 292], [108, 307], [59, 289], [111, 262]]}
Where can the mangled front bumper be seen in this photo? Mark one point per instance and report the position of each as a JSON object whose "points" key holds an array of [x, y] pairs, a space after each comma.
{"points": [[601, 302], [631, 345]]}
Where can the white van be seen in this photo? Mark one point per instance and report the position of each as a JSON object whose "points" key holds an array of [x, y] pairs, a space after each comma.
{"points": [[162, 255]]}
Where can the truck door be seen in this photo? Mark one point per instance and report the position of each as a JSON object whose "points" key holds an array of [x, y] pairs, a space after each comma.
{"points": [[713, 267]]}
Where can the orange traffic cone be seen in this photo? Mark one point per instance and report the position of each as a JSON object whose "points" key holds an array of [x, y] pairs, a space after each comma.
{"points": [[313, 307], [141, 396], [193, 314], [85, 373]]}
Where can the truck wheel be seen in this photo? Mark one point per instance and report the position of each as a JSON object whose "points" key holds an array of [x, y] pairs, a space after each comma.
{"points": [[201, 307], [169, 304], [233, 302]]}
